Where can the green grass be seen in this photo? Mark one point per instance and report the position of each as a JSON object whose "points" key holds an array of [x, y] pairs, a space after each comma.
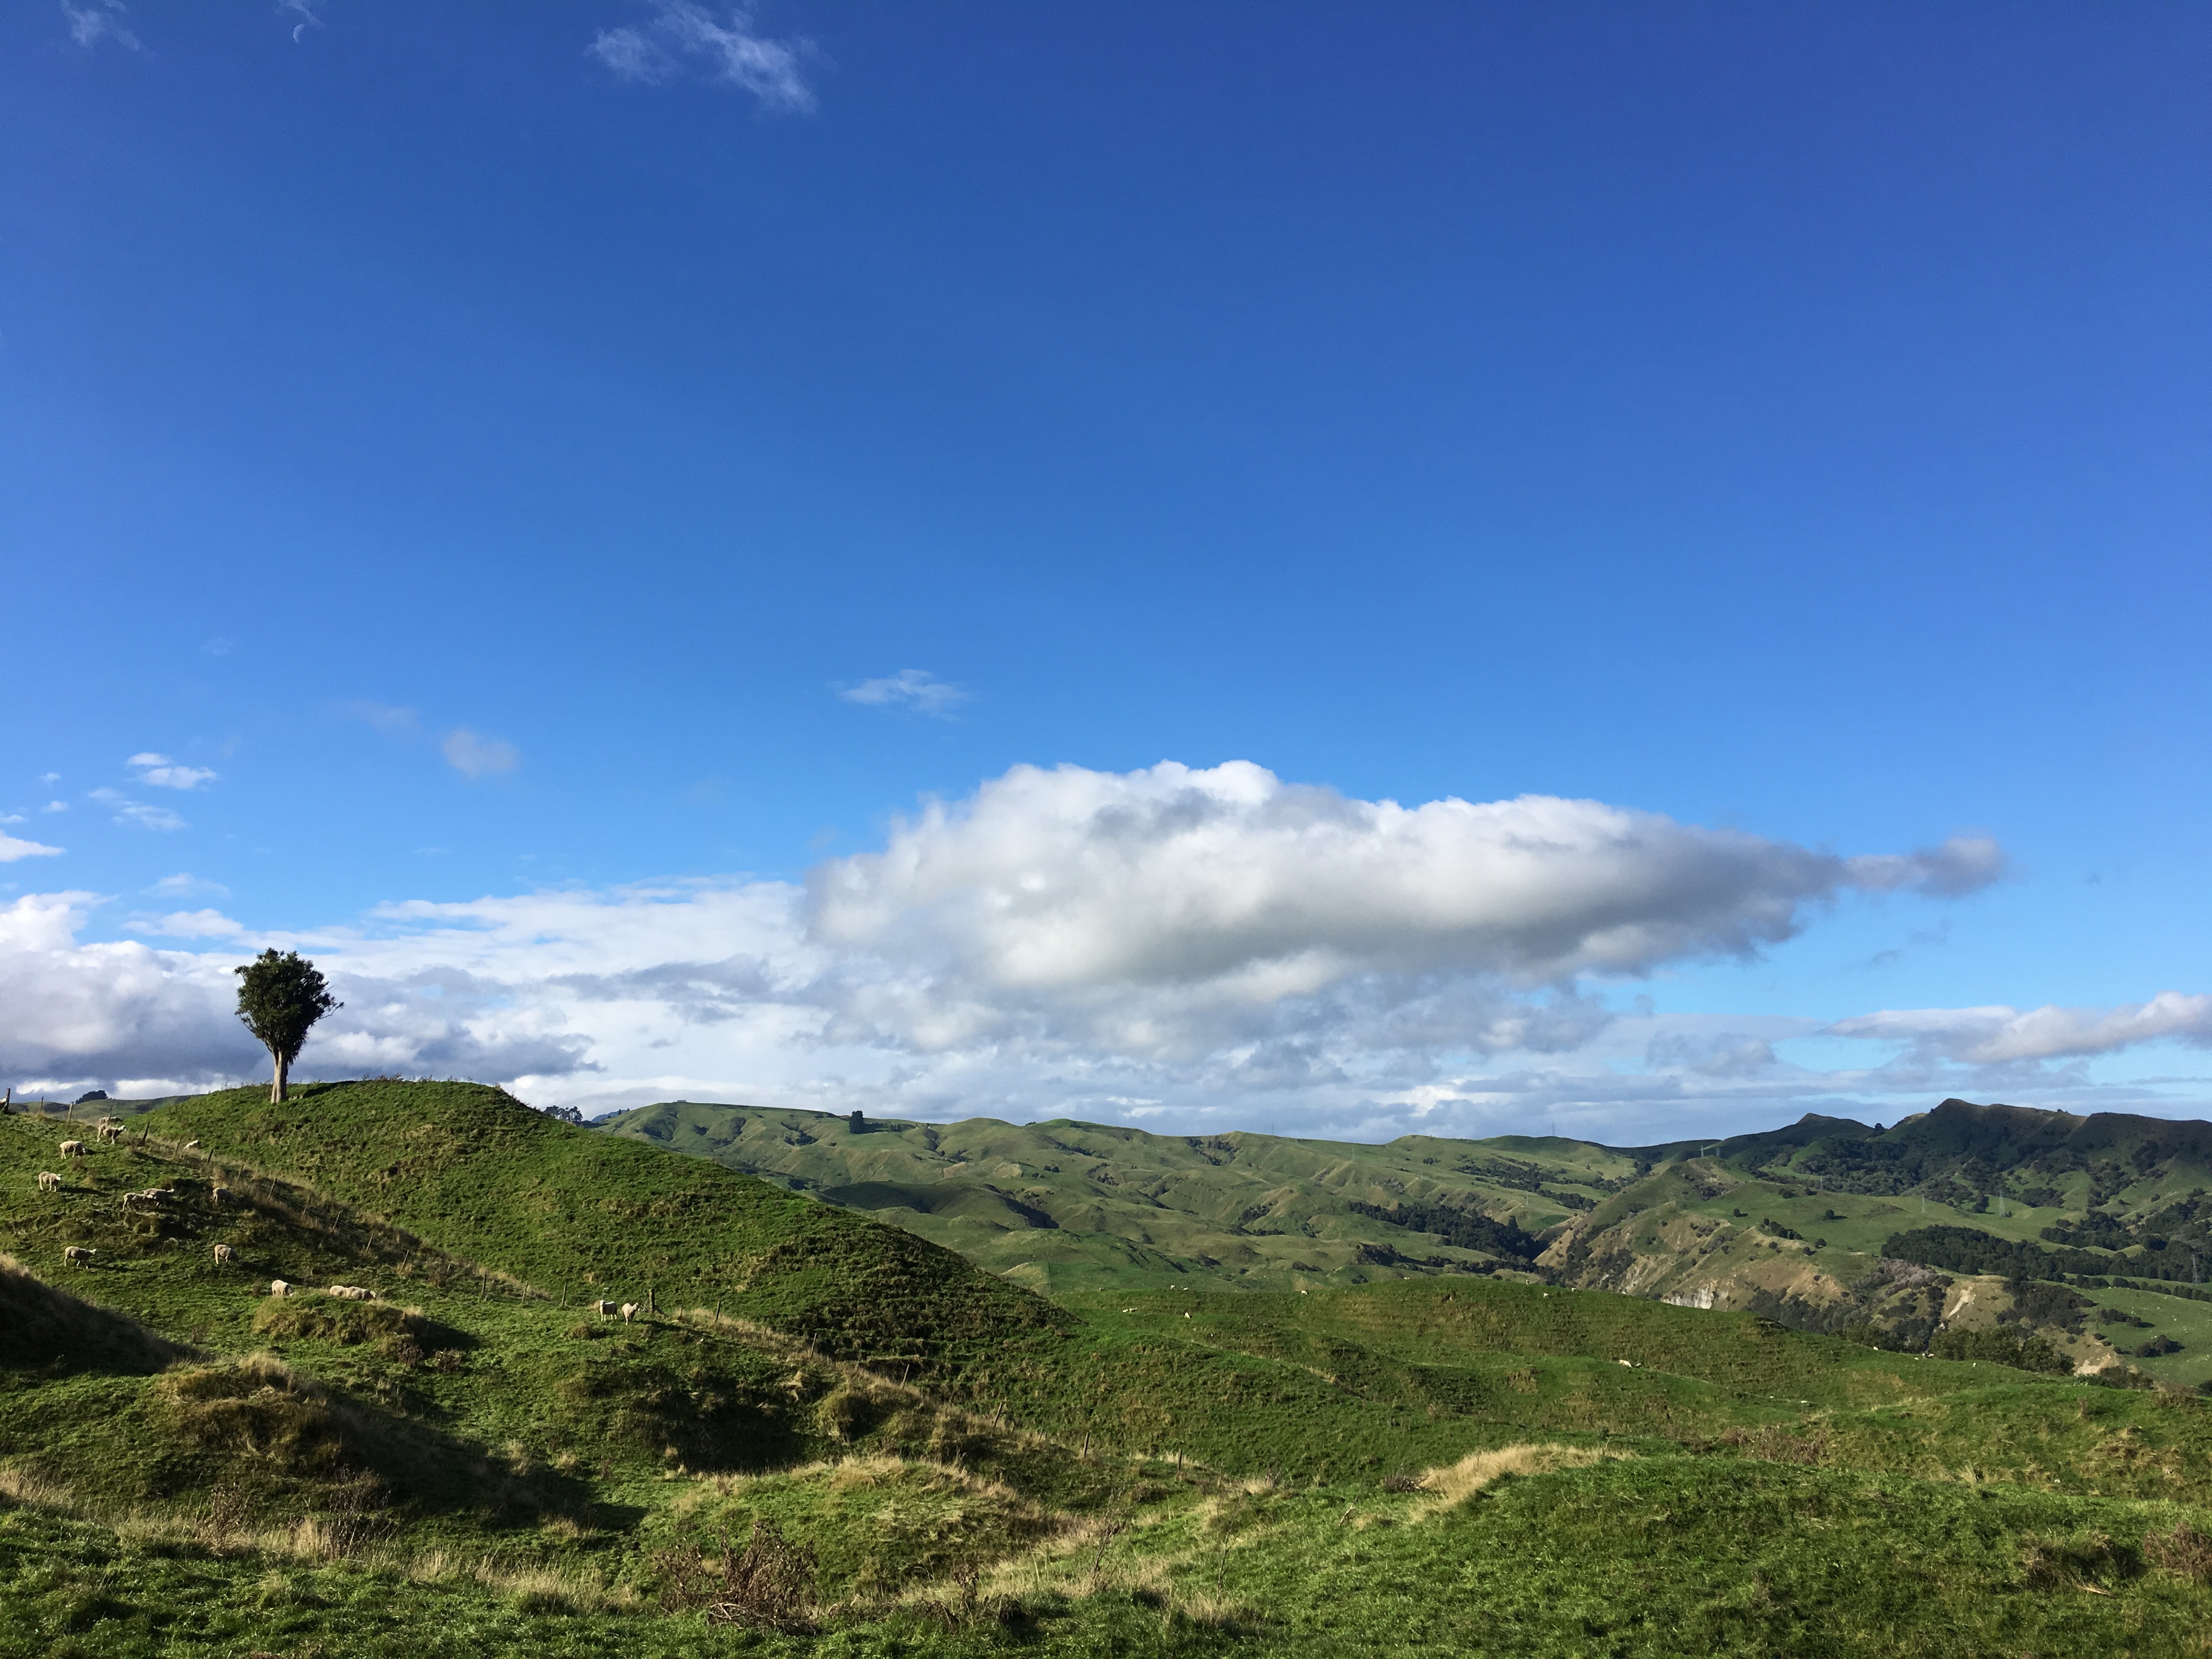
{"points": [[581, 1215], [474, 1465]]}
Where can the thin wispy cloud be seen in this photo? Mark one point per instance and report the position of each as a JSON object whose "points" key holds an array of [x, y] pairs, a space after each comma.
{"points": [[390, 719], [159, 772], [2000, 1035], [682, 35], [474, 755], [308, 17], [915, 688], [188, 924], [12, 848], [136, 814], [97, 21], [55, 806], [185, 884]]}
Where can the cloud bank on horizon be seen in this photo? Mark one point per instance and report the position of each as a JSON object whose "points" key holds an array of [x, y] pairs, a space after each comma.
{"points": [[1202, 947]]}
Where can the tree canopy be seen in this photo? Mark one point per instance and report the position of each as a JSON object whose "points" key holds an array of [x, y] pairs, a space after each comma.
{"points": [[281, 995]]}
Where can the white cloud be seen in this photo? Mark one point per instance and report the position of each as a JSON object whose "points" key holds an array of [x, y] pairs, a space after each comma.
{"points": [[11, 849], [185, 884], [136, 814], [913, 687], [159, 772], [476, 757], [97, 21], [681, 33], [189, 924], [2002, 1035], [55, 806], [304, 11], [1216, 948]]}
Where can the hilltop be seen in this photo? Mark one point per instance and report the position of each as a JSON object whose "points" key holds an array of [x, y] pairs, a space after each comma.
{"points": [[873, 1447]]}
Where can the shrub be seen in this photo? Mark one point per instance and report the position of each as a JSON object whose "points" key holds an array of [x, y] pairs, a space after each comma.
{"points": [[2029, 1353]]}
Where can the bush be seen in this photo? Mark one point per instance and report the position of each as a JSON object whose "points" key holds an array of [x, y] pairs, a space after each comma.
{"points": [[2000, 1348]]}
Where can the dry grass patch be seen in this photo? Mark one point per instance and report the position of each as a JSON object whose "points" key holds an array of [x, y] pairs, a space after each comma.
{"points": [[1452, 1484]]}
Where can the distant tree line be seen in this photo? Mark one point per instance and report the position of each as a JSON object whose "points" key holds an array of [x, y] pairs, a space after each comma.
{"points": [[1469, 1230]]}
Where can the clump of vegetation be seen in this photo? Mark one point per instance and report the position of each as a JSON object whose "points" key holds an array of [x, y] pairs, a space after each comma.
{"points": [[2000, 1348]]}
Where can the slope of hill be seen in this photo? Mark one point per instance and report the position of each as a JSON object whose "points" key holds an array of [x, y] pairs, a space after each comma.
{"points": [[469, 1465], [581, 1215], [1064, 1205]]}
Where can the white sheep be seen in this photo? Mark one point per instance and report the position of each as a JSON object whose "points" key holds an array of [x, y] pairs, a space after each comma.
{"points": [[603, 1309], [224, 1253], [111, 1132], [191, 1145], [48, 1180], [72, 1148], [629, 1309], [77, 1252], [278, 1287], [351, 1293]]}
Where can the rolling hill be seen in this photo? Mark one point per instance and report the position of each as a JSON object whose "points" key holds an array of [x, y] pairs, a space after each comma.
{"points": [[872, 1446]]}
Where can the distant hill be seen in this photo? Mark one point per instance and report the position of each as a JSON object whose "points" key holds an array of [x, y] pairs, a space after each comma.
{"points": [[1785, 1223]]}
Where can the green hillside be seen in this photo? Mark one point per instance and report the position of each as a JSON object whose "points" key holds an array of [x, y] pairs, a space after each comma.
{"points": [[1064, 1205], [582, 1216], [874, 1447]]}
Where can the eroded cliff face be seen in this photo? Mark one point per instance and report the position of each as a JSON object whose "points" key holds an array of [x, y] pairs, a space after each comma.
{"points": [[1679, 1237]]}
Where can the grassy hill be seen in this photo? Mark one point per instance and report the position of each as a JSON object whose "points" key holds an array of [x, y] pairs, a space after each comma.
{"points": [[875, 1448], [1790, 1224], [1064, 1205]]}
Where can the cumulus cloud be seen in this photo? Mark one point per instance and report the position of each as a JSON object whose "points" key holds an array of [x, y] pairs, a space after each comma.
{"points": [[910, 688], [477, 757], [11, 849], [1231, 882], [159, 772], [97, 21], [1210, 947], [2002, 1035], [682, 34]]}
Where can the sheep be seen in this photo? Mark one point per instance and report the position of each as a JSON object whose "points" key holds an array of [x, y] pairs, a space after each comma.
{"points": [[191, 1145], [224, 1253], [218, 1194], [351, 1293], [72, 1148], [48, 1180], [603, 1309], [629, 1309], [77, 1252], [278, 1287], [110, 1132]]}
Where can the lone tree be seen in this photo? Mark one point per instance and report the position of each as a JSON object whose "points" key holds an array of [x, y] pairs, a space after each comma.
{"points": [[280, 998]]}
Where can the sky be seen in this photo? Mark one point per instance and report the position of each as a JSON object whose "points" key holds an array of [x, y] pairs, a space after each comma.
{"points": [[1624, 570]]}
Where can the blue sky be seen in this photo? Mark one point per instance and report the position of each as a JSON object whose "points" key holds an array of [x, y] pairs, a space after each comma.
{"points": [[579, 478]]}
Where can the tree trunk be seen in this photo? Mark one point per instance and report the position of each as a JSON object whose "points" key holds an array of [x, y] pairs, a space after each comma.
{"points": [[276, 1084]]}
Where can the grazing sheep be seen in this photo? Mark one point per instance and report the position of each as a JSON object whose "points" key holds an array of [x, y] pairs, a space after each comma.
{"points": [[603, 1309], [111, 1132], [72, 1148], [218, 1194], [191, 1145], [278, 1287], [627, 1310], [351, 1293], [224, 1253], [76, 1253], [48, 1180]]}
